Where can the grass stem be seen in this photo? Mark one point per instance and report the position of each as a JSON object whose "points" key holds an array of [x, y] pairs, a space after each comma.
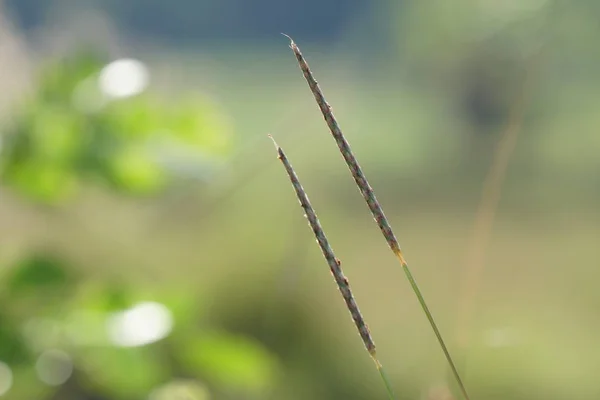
{"points": [[371, 200], [334, 265], [385, 379]]}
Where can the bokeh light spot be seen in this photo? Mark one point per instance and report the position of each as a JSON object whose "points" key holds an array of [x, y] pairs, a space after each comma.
{"points": [[140, 325], [180, 389], [124, 78], [54, 367]]}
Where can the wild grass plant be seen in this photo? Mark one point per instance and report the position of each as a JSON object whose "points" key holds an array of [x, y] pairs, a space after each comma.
{"points": [[380, 218]]}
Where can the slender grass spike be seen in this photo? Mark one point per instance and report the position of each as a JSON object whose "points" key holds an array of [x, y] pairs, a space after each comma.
{"points": [[334, 265], [371, 200]]}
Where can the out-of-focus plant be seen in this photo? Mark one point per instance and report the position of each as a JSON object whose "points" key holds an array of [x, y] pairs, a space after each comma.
{"points": [[94, 121], [63, 334], [89, 122]]}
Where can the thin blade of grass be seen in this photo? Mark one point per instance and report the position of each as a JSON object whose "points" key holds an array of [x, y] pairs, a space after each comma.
{"points": [[369, 196], [334, 266], [385, 379]]}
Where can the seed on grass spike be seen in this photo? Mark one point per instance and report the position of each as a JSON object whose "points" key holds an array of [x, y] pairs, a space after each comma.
{"points": [[344, 146], [369, 196], [334, 264]]}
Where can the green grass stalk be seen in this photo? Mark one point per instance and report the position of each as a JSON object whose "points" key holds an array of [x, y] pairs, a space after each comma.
{"points": [[373, 204], [334, 266]]}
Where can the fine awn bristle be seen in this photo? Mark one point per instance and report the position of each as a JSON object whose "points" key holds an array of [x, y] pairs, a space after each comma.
{"points": [[371, 200], [334, 263]]}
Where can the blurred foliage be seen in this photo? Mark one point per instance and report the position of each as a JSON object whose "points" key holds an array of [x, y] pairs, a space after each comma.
{"points": [[233, 361], [36, 276], [77, 324], [70, 131]]}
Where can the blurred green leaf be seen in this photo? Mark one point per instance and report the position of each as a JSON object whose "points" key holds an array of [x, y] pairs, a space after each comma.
{"points": [[231, 361], [39, 274], [116, 297], [13, 349], [200, 124], [134, 118], [43, 181], [56, 134], [69, 132], [123, 372], [59, 79], [134, 171]]}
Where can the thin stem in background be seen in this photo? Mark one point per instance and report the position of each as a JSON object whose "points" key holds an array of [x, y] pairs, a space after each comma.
{"points": [[369, 196], [490, 195], [334, 265], [488, 205]]}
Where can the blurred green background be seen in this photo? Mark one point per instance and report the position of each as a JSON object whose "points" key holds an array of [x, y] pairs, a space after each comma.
{"points": [[151, 246]]}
